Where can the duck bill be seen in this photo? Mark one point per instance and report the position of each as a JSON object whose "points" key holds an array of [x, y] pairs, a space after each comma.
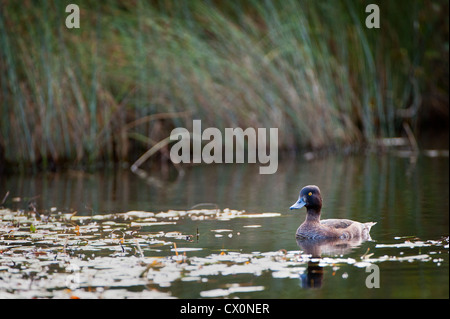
{"points": [[299, 204]]}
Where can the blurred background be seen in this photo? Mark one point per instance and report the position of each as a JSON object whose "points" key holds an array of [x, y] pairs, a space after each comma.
{"points": [[134, 70]]}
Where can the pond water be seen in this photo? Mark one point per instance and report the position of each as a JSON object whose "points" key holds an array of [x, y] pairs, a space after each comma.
{"points": [[225, 231]]}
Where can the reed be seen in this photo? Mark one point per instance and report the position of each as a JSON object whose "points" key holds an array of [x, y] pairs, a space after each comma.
{"points": [[310, 68]]}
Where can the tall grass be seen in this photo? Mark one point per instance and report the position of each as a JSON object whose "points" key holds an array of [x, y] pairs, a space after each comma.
{"points": [[310, 68]]}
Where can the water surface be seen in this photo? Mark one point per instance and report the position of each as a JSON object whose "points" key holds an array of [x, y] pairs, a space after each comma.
{"points": [[184, 243]]}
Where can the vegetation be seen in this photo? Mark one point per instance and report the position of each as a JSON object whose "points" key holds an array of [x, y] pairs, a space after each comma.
{"points": [[136, 69]]}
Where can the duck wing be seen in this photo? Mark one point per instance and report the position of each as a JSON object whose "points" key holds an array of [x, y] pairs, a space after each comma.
{"points": [[337, 223]]}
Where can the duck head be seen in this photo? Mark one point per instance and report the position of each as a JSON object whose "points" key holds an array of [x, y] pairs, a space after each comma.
{"points": [[309, 197]]}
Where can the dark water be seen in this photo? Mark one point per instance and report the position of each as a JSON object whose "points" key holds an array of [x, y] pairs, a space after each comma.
{"points": [[256, 257]]}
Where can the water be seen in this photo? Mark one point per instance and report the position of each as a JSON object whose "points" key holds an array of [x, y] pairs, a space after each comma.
{"points": [[174, 247]]}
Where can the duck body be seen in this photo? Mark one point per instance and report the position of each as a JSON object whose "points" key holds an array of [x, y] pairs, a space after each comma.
{"points": [[314, 228], [334, 228]]}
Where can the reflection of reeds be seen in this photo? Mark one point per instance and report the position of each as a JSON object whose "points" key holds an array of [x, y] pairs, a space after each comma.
{"points": [[312, 69]]}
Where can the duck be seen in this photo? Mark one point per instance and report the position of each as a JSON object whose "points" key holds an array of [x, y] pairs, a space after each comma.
{"points": [[315, 228]]}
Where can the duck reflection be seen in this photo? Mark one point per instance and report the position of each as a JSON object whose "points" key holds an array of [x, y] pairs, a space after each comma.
{"points": [[313, 276]]}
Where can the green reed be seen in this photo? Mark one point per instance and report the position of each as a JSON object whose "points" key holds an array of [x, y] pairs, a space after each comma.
{"points": [[310, 68]]}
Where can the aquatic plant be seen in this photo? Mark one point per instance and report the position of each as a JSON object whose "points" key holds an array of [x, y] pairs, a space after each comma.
{"points": [[136, 69]]}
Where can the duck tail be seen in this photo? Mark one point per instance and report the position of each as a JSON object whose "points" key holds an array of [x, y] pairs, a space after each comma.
{"points": [[369, 225]]}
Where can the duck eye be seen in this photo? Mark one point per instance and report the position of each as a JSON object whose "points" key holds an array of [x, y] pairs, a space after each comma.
{"points": [[310, 193]]}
